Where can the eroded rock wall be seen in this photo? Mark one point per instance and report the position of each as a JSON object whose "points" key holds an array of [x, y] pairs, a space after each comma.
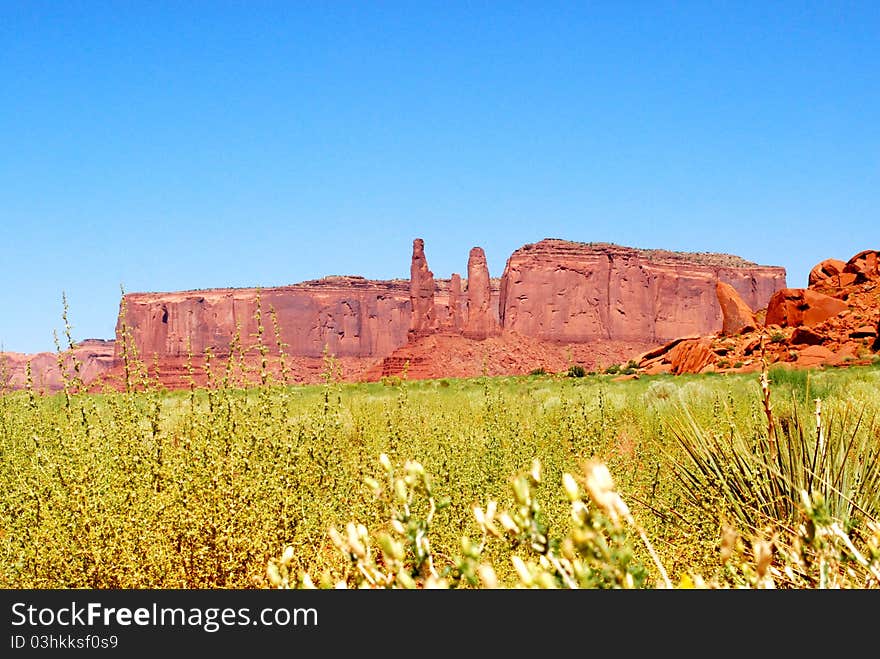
{"points": [[351, 316], [579, 292]]}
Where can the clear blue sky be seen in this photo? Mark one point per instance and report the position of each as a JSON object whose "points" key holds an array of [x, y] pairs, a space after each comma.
{"points": [[166, 146]]}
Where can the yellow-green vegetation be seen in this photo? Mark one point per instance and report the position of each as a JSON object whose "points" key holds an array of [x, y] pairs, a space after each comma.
{"points": [[534, 481]]}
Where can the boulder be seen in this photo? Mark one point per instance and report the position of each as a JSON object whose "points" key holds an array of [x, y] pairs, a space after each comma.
{"points": [[827, 269], [863, 332], [864, 265], [691, 356], [737, 317], [816, 356], [806, 336], [794, 307]]}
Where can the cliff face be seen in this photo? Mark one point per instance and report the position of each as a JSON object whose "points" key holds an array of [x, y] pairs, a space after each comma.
{"points": [[352, 316], [423, 319], [601, 300], [577, 292], [834, 322]]}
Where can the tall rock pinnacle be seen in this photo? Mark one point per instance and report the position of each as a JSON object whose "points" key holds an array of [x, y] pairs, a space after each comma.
{"points": [[456, 320], [481, 321], [421, 292]]}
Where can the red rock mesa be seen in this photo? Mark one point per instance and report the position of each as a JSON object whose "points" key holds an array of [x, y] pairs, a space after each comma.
{"points": [[556, 303]]}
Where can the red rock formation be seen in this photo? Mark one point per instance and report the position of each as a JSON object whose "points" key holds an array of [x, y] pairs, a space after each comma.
{"points": [[482, 321], [691, 356], [804, 328], [455, 321], [864, 265], [350, 316], [421, 293], [827, 269], [793, 307], [806, 336], [815, 355], [94, 357], [737, 317], [558, 303], [579, 292]]}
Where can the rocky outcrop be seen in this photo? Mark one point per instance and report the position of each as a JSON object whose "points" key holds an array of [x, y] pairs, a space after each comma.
{"points": [[736, 315], [864, 266], [794, 307], [581, 292], [482, 319], [93, 357], [455, 320], [421, 293], [827, 269], [448, 355], [691, 356], [557, 304], [835, 322], [356, 320]]}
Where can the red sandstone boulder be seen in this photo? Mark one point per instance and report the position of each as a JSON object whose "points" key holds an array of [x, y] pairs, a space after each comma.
{"points": [[657, 368], [827, 269], [691, 356], [737, 317], [863, 332], [793, 307], [806, 336], [660, 352], [864, 265], [481, 321], [816, 356]]}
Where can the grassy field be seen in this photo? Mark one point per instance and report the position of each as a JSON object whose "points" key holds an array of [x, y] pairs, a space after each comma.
{"points": [[207, 488]]}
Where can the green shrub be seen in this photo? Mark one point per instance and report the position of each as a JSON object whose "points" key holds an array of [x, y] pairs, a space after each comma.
{"points": [[777, 337]]}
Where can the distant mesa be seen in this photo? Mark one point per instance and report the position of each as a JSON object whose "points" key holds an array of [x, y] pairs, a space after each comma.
{"points": [[93, 356], [556, 303]]}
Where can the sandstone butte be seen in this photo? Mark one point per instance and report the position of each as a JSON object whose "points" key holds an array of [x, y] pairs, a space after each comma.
{"points": [[835, 321], [556, 304]]}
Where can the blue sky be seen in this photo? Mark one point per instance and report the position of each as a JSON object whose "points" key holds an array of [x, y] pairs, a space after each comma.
{"points": [[167, 146]]}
